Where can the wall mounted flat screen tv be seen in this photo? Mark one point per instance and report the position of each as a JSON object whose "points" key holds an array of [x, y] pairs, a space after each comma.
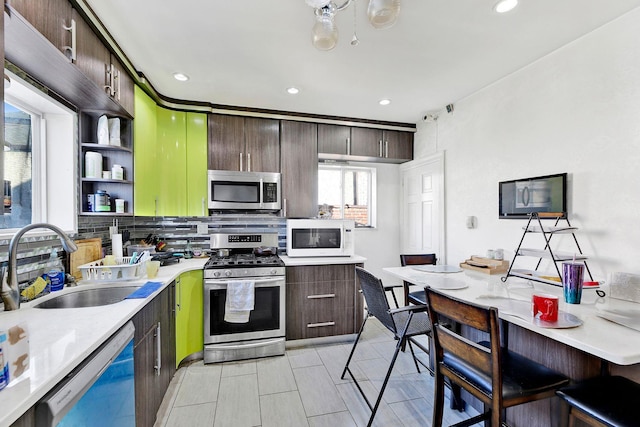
{"points": [[521, 197]]}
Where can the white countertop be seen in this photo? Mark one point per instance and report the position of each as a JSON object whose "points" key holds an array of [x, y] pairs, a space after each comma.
{"points": [[607, 340], [327, 260], [60, 339]]}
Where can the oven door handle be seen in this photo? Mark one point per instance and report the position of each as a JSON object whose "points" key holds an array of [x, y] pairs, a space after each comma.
{"points": [[222, 283]]}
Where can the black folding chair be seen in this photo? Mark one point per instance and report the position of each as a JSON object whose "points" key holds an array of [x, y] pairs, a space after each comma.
{"points": [[405, 323]]}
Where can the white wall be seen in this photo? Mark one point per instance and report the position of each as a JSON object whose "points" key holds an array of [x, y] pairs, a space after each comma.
{"points": [[576, 110], [381, 245]]}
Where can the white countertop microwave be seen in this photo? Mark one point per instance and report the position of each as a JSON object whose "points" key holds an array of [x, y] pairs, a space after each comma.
{"points": [[233, 190], [320, 237]]}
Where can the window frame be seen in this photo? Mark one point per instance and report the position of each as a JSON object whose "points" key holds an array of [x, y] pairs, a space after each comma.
{"points": [[372, 190]]}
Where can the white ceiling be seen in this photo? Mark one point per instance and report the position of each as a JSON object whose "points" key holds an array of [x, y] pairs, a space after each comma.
{"points": [[247, 52]]}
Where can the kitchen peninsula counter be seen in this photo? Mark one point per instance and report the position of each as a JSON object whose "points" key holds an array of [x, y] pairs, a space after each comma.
{"points": [[61, 339], [596, 347], [599, 337]]}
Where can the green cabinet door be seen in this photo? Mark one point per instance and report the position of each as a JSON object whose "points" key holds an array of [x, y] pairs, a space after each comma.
{"points": [[196, 166], [170, 162], [145, 137], [189, 314]]}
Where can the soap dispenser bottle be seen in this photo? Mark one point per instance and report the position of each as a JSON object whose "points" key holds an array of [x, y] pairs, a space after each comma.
{"points": [[188, 250], [56, 272]]}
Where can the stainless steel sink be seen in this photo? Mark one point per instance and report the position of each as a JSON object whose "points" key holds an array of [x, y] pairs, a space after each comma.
{"points": [[89, 297]]}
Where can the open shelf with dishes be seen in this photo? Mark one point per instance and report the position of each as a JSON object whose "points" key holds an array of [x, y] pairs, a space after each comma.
{"points": [[106, 164], [534, 226]]}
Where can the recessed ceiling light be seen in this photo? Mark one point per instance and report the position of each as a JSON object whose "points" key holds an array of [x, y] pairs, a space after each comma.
{"points": [[505, 5], [384, 102], [180, 77], [293, 90]]}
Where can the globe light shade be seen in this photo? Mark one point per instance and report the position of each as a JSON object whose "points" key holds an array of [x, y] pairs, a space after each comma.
{"points": [[324, 32], [383, 13]]}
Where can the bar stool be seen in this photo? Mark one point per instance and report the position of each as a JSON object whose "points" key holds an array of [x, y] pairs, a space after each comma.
{"points": [[496, 376], [610, 401]]}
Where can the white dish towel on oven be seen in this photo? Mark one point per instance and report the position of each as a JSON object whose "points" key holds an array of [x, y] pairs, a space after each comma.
{"points": [[240, 301]]}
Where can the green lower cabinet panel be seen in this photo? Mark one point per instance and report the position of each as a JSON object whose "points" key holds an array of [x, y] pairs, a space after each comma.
{"points": [[189, 314], [197, 164], [146, 186]]}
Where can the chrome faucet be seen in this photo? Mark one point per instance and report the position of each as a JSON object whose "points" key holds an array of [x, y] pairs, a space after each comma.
{"points": [[10, 292]]}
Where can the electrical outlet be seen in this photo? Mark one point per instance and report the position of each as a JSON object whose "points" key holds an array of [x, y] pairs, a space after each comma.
{"points": [[203, 229]]}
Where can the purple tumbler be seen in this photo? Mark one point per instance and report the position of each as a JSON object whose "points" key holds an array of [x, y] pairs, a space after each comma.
{"points": [[572, 278]]}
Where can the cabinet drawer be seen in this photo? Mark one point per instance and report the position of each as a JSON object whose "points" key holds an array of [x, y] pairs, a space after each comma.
{"points": [[320, 273]]}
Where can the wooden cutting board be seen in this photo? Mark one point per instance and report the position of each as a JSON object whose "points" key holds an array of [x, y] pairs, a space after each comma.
{"points": [[88, 250]]}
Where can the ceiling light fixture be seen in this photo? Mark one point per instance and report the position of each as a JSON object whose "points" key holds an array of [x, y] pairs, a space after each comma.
{"points": [[180, 77], [384, 102], [293, 90], [381, 14], [504, 6]]}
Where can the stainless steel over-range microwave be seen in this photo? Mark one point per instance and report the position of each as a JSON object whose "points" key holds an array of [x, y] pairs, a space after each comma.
{"points": [[233, 190]]}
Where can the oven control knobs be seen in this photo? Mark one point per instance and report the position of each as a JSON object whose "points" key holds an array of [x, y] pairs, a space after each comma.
{"points": [[216, 274], [227, 273], [274, 272]]}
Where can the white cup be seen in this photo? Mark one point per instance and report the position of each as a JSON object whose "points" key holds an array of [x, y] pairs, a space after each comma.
{"points": [[119, 205]]}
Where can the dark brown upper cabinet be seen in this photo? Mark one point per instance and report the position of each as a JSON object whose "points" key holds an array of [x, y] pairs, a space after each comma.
{"points": [[249, 144], [50, 18], [299, 152], [338, 142]]}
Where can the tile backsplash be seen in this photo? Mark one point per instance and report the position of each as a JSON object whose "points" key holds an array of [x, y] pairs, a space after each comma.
{"points": [[34, 252]]}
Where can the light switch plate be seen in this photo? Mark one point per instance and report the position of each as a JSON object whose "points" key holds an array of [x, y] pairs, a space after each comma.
{"points": [[203, 229]]}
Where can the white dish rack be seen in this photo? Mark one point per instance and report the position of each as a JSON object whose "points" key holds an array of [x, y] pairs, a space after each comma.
{"points": [[97, 271]]}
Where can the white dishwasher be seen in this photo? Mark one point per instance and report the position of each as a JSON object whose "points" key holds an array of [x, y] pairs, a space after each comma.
{"points": [[100, 392]]}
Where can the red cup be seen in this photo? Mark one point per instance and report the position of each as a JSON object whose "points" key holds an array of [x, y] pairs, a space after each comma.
{"points": [[545, 307]]}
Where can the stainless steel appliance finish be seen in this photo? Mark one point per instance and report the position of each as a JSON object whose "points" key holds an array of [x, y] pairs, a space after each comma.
{"points": [[263, 333], [233, 190]]}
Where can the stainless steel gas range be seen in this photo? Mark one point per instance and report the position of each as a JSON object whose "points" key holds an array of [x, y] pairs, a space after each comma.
{"points": [[248, 258]]}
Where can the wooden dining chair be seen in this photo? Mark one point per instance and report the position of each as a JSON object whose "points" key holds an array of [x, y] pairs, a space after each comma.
{"points": [[405, 323], [496, 376], [416, 297]]}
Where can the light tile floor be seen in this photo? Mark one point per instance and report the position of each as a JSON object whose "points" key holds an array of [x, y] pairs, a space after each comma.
{"points": [[303, 388]]}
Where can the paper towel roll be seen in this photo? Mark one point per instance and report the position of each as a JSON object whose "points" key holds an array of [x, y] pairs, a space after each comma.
{"points": [[116, 245]]}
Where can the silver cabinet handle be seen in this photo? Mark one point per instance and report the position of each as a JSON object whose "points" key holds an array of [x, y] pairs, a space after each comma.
{"points": [[108, 71], [380, 148], [72, 48], [158, 365], [348, 146], [284, 208], [248, 162], [386, 148], [116, 77], [261, 193], [241, 165], [321, 296], [319, 325]]}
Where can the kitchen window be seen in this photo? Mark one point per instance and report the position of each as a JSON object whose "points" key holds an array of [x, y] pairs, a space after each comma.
{"points": [[39, 160], [347, 192]]}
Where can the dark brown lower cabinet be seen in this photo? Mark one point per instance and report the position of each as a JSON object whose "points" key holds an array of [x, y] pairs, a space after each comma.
{"points": [[322, 300], [154, 354]]}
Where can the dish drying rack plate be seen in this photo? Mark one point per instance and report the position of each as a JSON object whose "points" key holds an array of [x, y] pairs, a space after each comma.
{"points": [[97, 271]]}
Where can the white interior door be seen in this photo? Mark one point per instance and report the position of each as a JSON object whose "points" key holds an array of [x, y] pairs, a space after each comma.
{"points": [[422, 228]]}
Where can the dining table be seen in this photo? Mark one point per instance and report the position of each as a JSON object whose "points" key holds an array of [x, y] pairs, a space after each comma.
{"points": [[599, 336]]}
